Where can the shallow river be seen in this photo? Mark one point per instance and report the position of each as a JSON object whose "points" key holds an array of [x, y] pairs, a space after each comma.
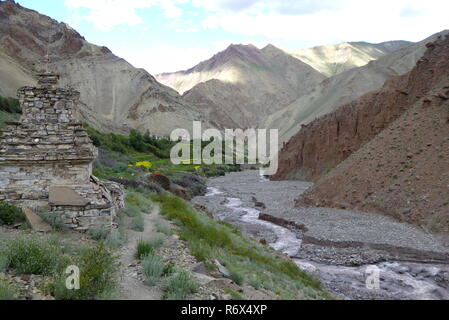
{"points": [[229, 199]]}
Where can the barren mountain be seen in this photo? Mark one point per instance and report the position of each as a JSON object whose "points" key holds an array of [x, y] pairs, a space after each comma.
{"points": [[242, 85], [12, 76], [115, 96], [390, 148], [335, 59], [344, 88]]}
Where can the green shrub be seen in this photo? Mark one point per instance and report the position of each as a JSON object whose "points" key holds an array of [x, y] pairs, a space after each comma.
{"points": [[143, 249], [54, 219], [179, 286], [156, 241], [97, 276], [4, 260], [137, 224], [7, 291], [115, 239], [153, 269], [133, 143], [169, 269], [236, 277], [9, 214], [132, 210], [176, 209], [34, 256], [139, 200], [100, 233], [163, 228], [9, 105]]}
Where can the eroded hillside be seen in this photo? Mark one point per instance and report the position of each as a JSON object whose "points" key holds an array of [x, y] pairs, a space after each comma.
{"points": [[391, 147]]}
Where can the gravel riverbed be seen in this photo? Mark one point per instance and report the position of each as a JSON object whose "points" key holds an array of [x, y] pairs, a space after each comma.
{"points": [[342, 248]]}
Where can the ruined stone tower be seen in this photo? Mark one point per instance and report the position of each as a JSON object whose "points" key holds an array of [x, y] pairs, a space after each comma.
{"points": [[46, 159]]}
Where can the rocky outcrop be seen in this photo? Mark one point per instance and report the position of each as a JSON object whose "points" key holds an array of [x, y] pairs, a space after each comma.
{"points": [[329, 140], [115, 96], [395, 147]]}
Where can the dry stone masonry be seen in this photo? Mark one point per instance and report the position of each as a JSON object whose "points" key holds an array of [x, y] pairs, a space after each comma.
{"points": [[46, 160]]}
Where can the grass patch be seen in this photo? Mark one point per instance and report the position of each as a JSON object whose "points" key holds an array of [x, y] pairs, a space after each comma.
{"points": [[29, 255], [179, 286], [153, 269], [236, 277], [115, 239], [163, 228], [236, 296], [169, 269], [209, 240], [137, 224], [7, 291], [97, 276], [10, 105], [100, 233], [143, 249], [139, 200], [4, 260], [54, 219], [132, 210], [156, 241]]}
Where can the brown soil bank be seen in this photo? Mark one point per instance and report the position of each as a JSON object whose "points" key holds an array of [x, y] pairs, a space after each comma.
{"points": [[391, 147]]}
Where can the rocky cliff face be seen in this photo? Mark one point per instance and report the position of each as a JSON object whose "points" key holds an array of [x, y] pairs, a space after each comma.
{"points": [[390, 148], [242, 85], [115, 96], [329, 140]]}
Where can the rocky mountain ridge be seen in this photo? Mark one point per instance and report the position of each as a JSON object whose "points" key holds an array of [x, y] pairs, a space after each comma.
{"points": [[242, 85], [115, 96], [344, 88], [245, 86], [332, 60]]}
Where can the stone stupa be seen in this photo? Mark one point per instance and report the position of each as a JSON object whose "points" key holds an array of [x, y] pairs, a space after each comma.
{"points": [[46, 160]]}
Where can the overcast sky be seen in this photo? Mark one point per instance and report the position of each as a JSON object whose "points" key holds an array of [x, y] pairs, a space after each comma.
{"points": [[172, 35]]}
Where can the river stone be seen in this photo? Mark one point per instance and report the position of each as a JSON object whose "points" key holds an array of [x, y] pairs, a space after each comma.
{"points": [[66, 196], [225, 272]]}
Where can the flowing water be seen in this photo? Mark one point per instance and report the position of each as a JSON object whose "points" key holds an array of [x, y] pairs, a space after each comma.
{"points": [[387, 280]]}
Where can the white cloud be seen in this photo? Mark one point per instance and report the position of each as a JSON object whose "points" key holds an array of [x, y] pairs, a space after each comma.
{"points": [[107, 14], [289, 7], [276, 21], [326, 21]]}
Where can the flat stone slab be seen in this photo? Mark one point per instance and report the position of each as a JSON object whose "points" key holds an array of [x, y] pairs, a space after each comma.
{"points": [[36, 222], [66, 196]]}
